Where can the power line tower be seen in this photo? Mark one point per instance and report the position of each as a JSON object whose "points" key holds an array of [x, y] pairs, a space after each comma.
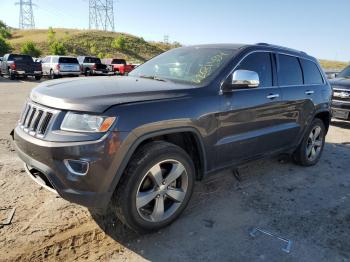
{"points": [[101, 15], [26, 16]]}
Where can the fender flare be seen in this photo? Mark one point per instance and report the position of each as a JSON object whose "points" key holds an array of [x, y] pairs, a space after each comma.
{"points": [[142, 138]]}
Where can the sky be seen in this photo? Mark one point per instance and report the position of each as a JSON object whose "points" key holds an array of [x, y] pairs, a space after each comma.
{"points": [[318, 27]]}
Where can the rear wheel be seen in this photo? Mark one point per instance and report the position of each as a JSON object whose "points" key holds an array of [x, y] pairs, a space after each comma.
{"points": [[52, 75], [155, 188], [310, 149], [12, 75], [37, 78]]}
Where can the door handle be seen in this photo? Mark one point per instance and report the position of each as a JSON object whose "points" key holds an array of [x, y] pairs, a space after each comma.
{"points": [[273, 96], [309, 92]]}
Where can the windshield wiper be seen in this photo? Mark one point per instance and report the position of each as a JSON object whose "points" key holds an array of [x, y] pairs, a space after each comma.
{"points": [[153, 77]]}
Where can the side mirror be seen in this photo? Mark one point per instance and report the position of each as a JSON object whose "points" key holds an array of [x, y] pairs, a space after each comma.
{"points": [[241, 79]]}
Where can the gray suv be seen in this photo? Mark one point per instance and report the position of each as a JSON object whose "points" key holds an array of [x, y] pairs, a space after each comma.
{"points": [[135, 145]]}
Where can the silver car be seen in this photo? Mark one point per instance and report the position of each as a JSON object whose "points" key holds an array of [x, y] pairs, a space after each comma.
{"points": [[57, 66]]}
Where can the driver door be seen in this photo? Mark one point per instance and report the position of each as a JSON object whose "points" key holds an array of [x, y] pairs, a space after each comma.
{"points": [[250, 123]]}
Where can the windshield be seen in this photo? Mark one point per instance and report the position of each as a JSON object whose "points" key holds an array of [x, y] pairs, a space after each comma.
{"points": [[345, 73], [188, 65]]}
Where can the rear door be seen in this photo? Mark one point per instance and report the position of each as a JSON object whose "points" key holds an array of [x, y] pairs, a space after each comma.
{"points": [[250, 124], [297, 97]]}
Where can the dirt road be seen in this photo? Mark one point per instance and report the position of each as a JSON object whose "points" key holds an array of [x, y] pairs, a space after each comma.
{"points": [[310, 206]]}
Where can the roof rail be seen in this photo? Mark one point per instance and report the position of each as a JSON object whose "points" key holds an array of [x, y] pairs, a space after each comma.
{"points": [[282, 47]]}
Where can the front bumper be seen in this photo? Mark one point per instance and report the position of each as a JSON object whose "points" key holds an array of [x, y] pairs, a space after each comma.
{"points": [[341, 106], [93, 189]]}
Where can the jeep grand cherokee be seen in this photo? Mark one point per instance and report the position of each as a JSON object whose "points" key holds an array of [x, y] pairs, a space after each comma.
{"points": [[137, 144]]}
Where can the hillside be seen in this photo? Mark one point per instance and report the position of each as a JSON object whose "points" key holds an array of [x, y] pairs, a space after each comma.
{"points": [[86, 42]]}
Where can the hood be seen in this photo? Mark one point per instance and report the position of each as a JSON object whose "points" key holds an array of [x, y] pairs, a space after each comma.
{"points": [[342, 83], [96, 94]]}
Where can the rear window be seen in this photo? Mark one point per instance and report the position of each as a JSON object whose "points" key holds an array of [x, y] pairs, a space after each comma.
{"points": [[68, 60], [289, 72], [312, 74], [94, 60], [118, 61], [19, 58]]}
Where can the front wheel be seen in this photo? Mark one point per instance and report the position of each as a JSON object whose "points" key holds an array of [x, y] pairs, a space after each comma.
{"points": [[155, 188], [310, 149]]}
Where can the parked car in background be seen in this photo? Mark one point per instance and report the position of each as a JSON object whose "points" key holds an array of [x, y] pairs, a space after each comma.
{"points": [[136, 146], [58, 66], [16, 65], [118, 66], [0, 65], [90, 66], [341, 94]]}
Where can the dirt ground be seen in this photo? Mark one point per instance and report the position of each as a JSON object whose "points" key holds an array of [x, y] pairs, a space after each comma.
{"points": [[310, 206]]}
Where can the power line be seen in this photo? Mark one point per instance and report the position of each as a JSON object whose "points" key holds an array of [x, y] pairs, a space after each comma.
{"points": [[101, 15], [26, 16]]}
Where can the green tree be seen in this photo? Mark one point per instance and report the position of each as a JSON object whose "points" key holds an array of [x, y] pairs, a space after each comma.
{"points": [[58, 48], [29, 48], [4, 30], [101, 55], [119, 42], [5, 47]]}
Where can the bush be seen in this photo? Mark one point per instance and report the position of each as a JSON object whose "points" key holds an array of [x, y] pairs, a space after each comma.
{"points": [[51, 35], [29, 48], [58, 48], [119, 42], [5, 47]]}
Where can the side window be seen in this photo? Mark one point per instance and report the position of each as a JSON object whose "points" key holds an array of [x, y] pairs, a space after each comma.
{"points": [[289, 72], [54, 59], [260, 63], [312, 74]]}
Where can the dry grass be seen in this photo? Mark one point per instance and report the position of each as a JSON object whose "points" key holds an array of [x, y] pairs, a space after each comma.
{"points": [[332, 65], [87, 42]]}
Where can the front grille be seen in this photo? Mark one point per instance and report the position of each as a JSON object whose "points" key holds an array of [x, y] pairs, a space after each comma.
{"points": [[35, 119], [341, 94]]}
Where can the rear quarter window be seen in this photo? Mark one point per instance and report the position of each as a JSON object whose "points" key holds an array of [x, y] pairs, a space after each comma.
{"points": [[312, 74], [289, 72]]}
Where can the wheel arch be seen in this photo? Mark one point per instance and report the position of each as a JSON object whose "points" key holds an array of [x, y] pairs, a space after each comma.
{"points": [[201, 164], [325, 116]]}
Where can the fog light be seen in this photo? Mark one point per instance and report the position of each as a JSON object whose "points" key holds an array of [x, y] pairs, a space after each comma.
{"points": [[77, 167]]}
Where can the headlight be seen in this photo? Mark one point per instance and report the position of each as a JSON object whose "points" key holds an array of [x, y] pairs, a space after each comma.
{"points": [[86, 123]]}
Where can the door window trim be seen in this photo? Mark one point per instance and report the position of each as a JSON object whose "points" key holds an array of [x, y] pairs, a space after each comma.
{"points": [[240, 61]]}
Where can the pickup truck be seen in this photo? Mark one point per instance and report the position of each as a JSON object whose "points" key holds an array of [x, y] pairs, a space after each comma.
{"points": [[341, 95], [119, 66], [14, 65], [92, 66]]}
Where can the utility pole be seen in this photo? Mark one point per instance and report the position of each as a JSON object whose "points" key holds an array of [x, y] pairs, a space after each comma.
{"points": [[101, 15], [26, 16]]}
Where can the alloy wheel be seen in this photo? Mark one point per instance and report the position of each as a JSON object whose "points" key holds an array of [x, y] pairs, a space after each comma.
{"points": [[162, 190], [314, 143]]}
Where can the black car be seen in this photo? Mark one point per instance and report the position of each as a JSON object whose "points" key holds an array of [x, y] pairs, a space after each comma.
{"points": [[135, 145], [341, 94], [17, 65]]}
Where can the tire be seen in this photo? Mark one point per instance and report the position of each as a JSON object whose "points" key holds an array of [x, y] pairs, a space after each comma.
{"points": [[52, 75], [145, 219], [303, 155], [38, 78], [12, 76]]}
